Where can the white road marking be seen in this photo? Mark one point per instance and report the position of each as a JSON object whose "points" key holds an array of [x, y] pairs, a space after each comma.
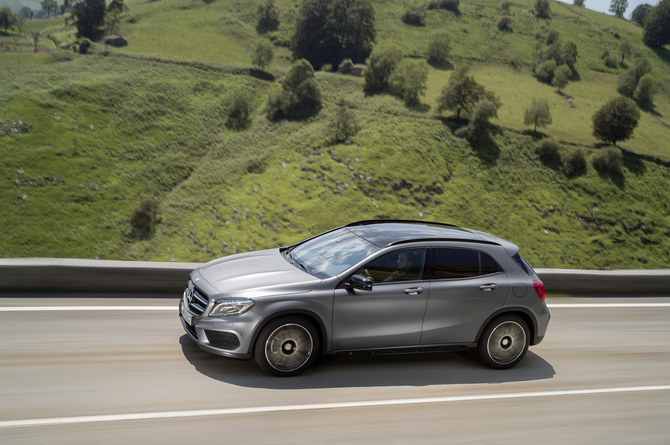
{"points": [[362, 404]]}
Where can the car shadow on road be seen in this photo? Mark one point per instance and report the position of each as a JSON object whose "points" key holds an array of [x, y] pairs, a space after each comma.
{"points": [[369, 370]]}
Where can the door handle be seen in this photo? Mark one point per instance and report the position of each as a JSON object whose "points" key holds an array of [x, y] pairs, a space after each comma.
{"points": [[488, 287], [414, 290]]}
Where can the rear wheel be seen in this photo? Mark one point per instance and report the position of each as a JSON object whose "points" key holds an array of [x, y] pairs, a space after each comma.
{"points": [[287, 346], [504, 342]]}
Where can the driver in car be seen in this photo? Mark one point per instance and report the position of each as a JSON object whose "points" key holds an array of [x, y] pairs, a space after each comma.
{"points": [[405, 261]]}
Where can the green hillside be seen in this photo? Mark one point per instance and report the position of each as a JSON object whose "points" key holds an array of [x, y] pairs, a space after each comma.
{"points": [[116, 126]]}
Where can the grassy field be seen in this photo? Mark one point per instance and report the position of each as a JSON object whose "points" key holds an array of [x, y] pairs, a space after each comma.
{"points": [[109, 130]]}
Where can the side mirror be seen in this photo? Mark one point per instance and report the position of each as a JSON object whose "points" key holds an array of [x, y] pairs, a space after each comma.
{"points": [[360, 282]]}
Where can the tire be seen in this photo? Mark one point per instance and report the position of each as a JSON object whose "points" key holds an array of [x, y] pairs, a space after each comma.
{"points": [[287, 346], [504, 342]]}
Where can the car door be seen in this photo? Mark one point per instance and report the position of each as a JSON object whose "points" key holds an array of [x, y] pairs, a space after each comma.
{"points": [[391, 314], [466, 287]]}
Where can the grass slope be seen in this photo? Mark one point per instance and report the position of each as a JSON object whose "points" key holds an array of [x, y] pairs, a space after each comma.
{"points": [[154, 126]]}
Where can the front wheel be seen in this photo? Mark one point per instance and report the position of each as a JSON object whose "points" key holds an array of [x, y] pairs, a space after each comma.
{"points": [[287, 346], [504, 342]]}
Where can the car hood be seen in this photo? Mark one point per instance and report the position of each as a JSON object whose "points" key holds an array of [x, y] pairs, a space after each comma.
{"points": [[257, 274]]}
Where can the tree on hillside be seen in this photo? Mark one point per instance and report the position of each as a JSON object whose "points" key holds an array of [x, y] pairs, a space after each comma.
{"points": [[479, 124], [462, 92], [327, 31], [263, 54], [49, 6], [626, 49], [117, 5], [20, 21], [646, 90], [616, 120], [656, 30], [268, 15], [579, 3], [25, 11], [381, 63], [31, 15], [561, 76], [537, 113], [542, 9], [618, 7], [629, 80], [145, 217], [7, 18], [571, 48], [36, 34], [299, 96], [112, 21], [88, 15], [439, 46], [409, 80], [640, 12]]}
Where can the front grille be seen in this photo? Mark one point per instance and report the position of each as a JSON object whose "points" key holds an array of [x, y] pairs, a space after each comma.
{"points": [[197, 300], [225, 340], [191, 329]]}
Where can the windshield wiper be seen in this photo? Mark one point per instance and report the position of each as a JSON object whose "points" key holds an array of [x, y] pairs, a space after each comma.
{"points": [[288, 254]]}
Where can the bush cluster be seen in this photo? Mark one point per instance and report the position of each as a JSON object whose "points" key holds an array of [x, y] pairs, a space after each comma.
{"points": [[238, 109], [574, 161], [300, 95], [414, 15], [556, 53], [571, 159], [451, 5], [637, 82], [504, 22], [607, 160], [549, 150], [145, 217]]}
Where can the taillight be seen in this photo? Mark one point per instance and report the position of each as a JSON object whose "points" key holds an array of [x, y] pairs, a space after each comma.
{"points": [[540, 290]]}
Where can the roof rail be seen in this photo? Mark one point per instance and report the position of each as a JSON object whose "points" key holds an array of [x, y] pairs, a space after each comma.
{"points": [[460, 240], [366, 222]]}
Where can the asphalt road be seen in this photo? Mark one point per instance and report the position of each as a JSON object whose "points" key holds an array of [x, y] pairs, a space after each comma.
{"points": [[602, 375]]}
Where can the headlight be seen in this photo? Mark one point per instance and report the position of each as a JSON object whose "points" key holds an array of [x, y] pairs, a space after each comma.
{"points": [[231, 306]]}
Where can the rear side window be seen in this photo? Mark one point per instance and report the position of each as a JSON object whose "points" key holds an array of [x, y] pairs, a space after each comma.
{"points": [[461, 263], [522, 264], [403, 265]]}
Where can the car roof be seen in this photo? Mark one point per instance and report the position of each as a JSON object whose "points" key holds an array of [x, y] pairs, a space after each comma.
{"points": [[388, 232]]}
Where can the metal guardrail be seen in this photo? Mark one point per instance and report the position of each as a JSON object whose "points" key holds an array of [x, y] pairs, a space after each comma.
{"points": [[104, 276]]}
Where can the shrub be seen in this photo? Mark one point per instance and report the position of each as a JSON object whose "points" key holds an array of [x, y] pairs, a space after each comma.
{"points": [[346, 66], [504, 22], [646, 89], [571, 48], [238, 109], [616, 120], [479, 124], [542, 9], [145, 217], [451, 5], [414, 15], [409, 80], [545, 70], [549, 150], [604, 54], [84, 46], [381, 63], [504, 7], [628, 81], [439, 46], [607, 160], [343, 124], [539, 35], [263, 54], [299, 96], [611, 62], [574, 161], [579, 3], [268, 15], [552, 36]]}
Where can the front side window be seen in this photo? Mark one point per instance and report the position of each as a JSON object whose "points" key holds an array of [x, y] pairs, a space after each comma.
{"points": [[332, 253], [404, 265]]}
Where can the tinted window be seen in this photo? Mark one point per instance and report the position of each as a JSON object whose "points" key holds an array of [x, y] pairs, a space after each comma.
{"points": [[488, 265], [404, 265], [455, 263], [526, 268]]}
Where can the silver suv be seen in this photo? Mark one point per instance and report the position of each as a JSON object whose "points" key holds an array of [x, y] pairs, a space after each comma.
{"points": [[379, 286]]}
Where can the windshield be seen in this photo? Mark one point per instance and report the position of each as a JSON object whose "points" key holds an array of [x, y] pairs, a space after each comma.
{"points": [[328, 255]]}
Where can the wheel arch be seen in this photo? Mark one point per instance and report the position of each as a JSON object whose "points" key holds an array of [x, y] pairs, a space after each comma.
{"points": [[522, 312], [311, 316]]}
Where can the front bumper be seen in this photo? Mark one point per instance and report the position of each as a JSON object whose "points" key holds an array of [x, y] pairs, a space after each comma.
{"points": [[204, 327]]}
